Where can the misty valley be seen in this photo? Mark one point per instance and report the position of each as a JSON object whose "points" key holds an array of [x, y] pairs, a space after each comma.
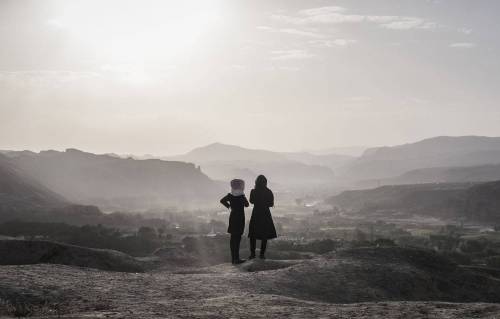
{"points": [[416, 222]]}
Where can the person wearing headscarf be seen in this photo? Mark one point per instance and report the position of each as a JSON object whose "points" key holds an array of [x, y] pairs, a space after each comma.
{"points": [[261, 223], [237, 202]]}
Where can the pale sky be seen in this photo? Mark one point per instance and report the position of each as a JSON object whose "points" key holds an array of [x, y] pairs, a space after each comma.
{"points": [[162, 77]]}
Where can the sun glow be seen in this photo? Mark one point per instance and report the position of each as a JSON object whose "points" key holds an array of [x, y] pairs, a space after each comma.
{"points": [[133, 37]]}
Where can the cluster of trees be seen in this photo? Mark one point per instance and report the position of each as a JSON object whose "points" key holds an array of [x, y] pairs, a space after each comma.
{"points": [[466, 249]]}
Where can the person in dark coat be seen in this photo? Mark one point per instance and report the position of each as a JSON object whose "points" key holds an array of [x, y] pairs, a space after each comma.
{"points": [[237, 201], [261, 223]]}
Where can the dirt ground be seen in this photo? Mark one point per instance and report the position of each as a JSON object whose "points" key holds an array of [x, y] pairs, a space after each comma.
{"points": [[222, 291]]}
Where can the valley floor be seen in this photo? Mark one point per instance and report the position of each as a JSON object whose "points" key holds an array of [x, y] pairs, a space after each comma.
{"points": [[221, 291]]}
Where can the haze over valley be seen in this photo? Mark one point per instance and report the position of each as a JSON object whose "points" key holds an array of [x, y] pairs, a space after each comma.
{"points": [[249, 159], [452, 179]]}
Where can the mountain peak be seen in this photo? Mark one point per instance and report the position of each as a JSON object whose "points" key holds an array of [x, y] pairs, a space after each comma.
{"points": [[226, 152], [219, 145]]}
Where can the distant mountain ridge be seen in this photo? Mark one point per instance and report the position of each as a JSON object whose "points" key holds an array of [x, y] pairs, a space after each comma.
{"points": [[225, 152], [353, 151], [481, 173], [223, 162], [443, 151], [438, 159], [438, 144], [117, 183]]}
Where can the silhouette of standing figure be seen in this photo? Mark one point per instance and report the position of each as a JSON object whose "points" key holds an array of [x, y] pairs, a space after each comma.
{"points": [[237, 201], [261, 223]]}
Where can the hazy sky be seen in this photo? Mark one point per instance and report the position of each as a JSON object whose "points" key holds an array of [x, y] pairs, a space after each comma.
{"points": [[162, 77]]}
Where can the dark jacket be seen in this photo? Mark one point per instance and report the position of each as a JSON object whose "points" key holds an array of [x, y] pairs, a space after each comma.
{"points": [[261, 223], [237, 215]]}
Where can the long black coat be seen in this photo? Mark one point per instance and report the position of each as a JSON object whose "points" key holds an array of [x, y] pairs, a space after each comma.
{"points": [[237, 215], [261, 222]]}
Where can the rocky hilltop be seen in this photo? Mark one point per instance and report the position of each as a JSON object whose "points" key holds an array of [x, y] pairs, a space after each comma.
{"points": [[357, 283]]}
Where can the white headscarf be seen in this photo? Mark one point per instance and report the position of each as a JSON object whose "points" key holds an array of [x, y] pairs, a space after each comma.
{"points": [[237, 187]]}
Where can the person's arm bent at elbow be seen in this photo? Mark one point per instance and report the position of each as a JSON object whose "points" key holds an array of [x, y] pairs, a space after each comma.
{"points": [[225, 201]]}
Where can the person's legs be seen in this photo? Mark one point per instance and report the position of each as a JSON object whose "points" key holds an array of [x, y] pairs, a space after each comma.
{"points": [[231, 246], [263, 246], [253, 244], [236, 247]]}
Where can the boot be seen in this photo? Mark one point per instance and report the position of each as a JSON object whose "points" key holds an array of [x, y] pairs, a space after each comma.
{"points": [[232, 256], [237, 259], [263, 247], [253, 244]]}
